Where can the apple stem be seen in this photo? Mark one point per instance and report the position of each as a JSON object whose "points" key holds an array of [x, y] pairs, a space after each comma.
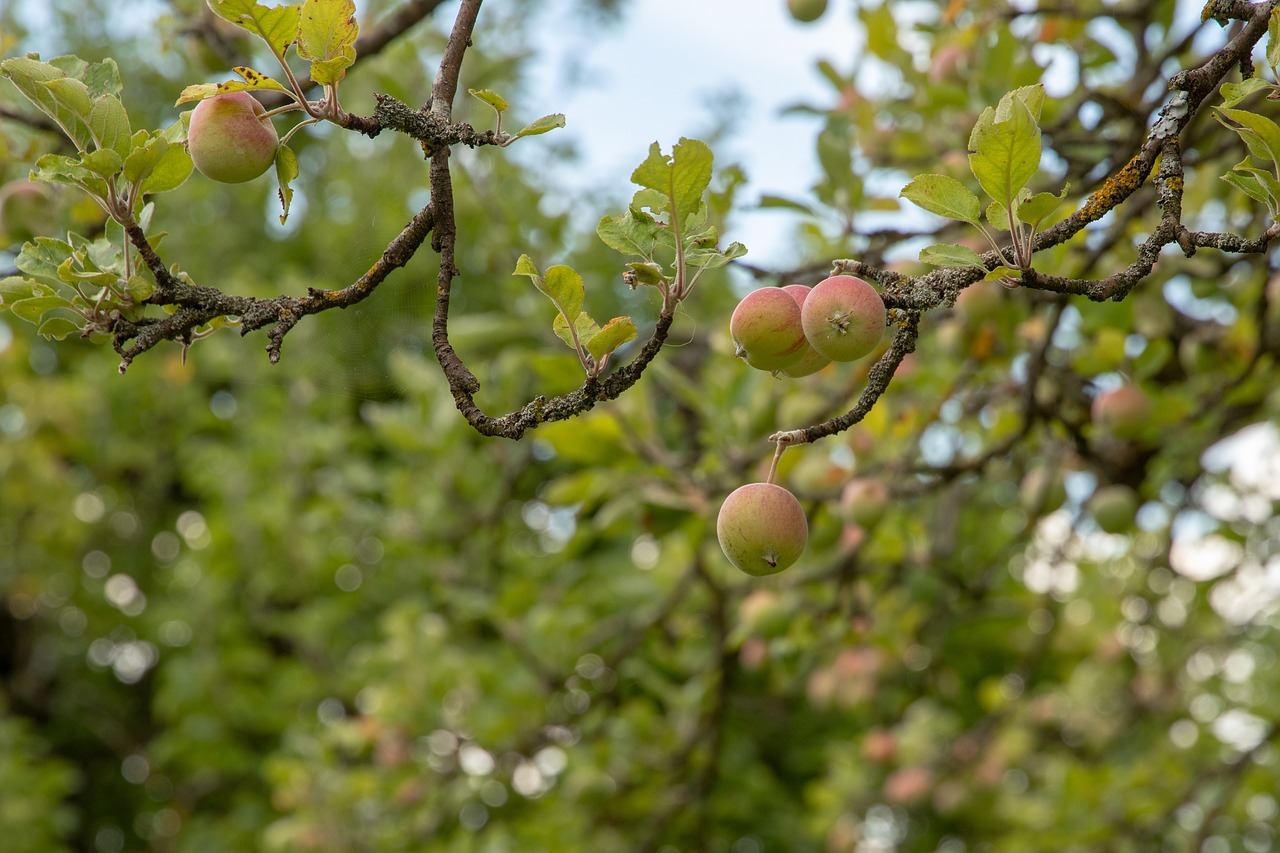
{"points": [[773, 466]]}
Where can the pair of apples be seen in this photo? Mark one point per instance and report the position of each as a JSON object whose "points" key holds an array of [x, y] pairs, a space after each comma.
{"points": [[797, 330]]}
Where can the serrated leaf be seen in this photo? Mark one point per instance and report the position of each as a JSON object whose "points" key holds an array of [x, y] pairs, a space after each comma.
{"points": [[252, 81], [170, 171], [105, 162], [1273, 39], [951, 255], [945, 196], [524, 266], [41, 258], [1268, 183], [57, 328], [32, 77], [648, 273], [102, 78], [584, 327], [144, 157], [1032, 96], [61, 169], [1234, 93], [286, 171], [277, 25], [632, 233], [490, 97], [37, 306], [327, 31], [1037, 208], [1250, 186], [14, 288], [1005, 153], [140, 288], [565, 287], [1002, 272], [682, 178], [109, 124], [614, 334], [542, 125], [1263, 136], [997, 216]]}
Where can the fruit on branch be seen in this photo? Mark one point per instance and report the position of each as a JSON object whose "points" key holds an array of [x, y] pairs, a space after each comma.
{"points": [[811, 361], [1114, 507], [1121, 412], [762, 528], [26, 211], [843, 318], [766, 329], [230, 138], [864, 501], [807, 11]]}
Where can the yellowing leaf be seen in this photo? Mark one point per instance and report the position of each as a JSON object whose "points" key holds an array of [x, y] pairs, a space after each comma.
{"points": [[327, 32]]}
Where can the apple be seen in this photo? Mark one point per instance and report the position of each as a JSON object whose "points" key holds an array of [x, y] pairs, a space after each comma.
{"points": [[1114, 507], [843, 318], [811, 361], [230, 138], [807, 11], [766, 329], [864, 501], [762, 528], [1122, 412]]}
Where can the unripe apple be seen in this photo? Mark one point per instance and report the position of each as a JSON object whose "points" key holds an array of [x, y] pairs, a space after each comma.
{"points": [[1114, 507], [762, 528], [811, 361], [1122, 412], [766, 329], [230, 138], [843, 318], [864, 501], [807, 11]]}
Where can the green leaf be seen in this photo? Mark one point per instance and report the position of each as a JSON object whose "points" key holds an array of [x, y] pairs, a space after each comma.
{"points": [[1002, 272], [1234, 93], [140, 288], [632, 233], [170, 171], [1273, 39], [1265, 180], [61, 169], [951, 255], [105, 162], [682, 178], [34, 308], [998, 216], [1032, 96], [41, 258], [1040, 206], [565, 288], [615, 333], [14, 288], [276, 25], [945, 196], [109, 124], [57, 328], [286, 171], [327, 31], [542, 125], [648, 273], [584, 327], [32, 77], [1005, 152], [490, 97], [1250, 186], [1262, 136], [524, 266]]}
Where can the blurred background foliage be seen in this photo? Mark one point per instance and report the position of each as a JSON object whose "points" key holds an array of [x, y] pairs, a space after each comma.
{"points": [[304, 607]]}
